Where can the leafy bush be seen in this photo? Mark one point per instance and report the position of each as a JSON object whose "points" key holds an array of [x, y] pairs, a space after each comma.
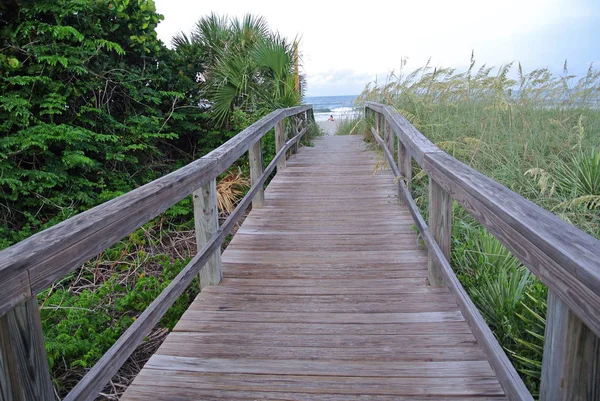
{"points": [[85, 313], [86, 98]]}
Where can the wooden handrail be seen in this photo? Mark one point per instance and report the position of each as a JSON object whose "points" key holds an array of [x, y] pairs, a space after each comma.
{"points": [[513, 385], [564, 258], [32, 265]]}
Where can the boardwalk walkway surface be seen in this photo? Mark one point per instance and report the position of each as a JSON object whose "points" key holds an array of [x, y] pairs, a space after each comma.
{"points": [[324, 297]]}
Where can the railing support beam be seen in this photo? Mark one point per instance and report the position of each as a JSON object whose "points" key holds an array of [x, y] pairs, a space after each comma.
{"points": [[405, 164], [571, 363], [24, 372], [256, 170], [440, 224], [296, 123], [280, 142], [388, 135], [206, 223]]}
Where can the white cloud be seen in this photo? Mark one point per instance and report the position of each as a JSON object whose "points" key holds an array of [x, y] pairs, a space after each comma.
{"points": [[352, 41]]}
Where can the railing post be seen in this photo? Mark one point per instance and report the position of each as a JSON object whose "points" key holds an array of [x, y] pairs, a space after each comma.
{"points": [[24, 372], [256, 170], [206, 223], [280, 142], [389, 135], [440, 224], [571, 362], [404, 163], [295, 129]]}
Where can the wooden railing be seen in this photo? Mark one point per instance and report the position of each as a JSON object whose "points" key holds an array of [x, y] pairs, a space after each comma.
{"points": [[564, 258], [34, 264]]}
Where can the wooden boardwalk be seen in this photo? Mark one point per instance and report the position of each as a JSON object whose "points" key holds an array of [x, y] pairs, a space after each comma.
{"points": [[324, 297]]}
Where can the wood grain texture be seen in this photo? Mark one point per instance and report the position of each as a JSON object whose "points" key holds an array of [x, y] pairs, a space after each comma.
{"points": [[571, 365], [256, 169], [280, 142], [24, 372], [206, 224], [53, 253], [563, 257], [440, 224], [323, 298], [34, 264], [88, 388], [231, 150], [151, 392], [390, 137], [404, 164], [296, 123], [509, 378]]}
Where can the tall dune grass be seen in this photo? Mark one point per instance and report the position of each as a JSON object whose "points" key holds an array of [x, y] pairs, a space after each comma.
{"points": [[537, 133]]}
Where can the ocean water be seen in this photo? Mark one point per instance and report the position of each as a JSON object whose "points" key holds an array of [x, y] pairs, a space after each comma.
{"points": [[336, 106]]}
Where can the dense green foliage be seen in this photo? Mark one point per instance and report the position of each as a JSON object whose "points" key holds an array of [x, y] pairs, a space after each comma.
{"points": [[87, 107], [538, 135], [92, 105], [88, 311]]}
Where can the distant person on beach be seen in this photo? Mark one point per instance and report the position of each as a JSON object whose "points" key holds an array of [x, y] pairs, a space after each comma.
{"points": [[330, 118]]}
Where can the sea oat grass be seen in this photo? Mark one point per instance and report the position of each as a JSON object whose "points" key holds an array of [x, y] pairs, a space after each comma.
{"points": [[538, 134]]}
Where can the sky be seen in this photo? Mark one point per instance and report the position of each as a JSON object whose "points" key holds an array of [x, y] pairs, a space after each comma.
{"points": [[345, 45]]}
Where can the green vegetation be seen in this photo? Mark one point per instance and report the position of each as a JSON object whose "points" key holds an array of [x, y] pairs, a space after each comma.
{"points": [[538, 135], [93, 105], [351, 126]]}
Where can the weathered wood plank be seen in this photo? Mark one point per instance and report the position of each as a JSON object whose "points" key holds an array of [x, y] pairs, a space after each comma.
{"points": [[389, 136], [440, 224], [24, 372], [231, 150], [331, 318], [571, 365], [433, 387], [53, 253], [473, 369], [193, 339], [296, 124], [206, 223], [146, 392], [560, 255], [280, 143], [463, 352], [404, 164], [256, 169], [15, 290], [260, 328], [303, 309], [399, 288], [113, 359], [507, 375]]}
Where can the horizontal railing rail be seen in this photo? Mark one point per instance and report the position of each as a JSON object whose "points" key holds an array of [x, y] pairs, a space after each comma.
{"points": [[564, 258], [31, 266]]}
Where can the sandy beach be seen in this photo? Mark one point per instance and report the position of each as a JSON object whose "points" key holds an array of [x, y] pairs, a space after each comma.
{"points": [[330, 127]]}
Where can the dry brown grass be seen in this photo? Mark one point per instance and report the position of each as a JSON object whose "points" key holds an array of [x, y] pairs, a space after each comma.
{"points": [[230, 190]]}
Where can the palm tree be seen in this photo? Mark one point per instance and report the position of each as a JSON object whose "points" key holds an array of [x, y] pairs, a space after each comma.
{"points": [[246, 66]]}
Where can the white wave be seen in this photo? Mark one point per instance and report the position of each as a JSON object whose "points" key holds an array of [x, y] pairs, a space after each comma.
{"points": [[342, 110], [338, 113]]}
